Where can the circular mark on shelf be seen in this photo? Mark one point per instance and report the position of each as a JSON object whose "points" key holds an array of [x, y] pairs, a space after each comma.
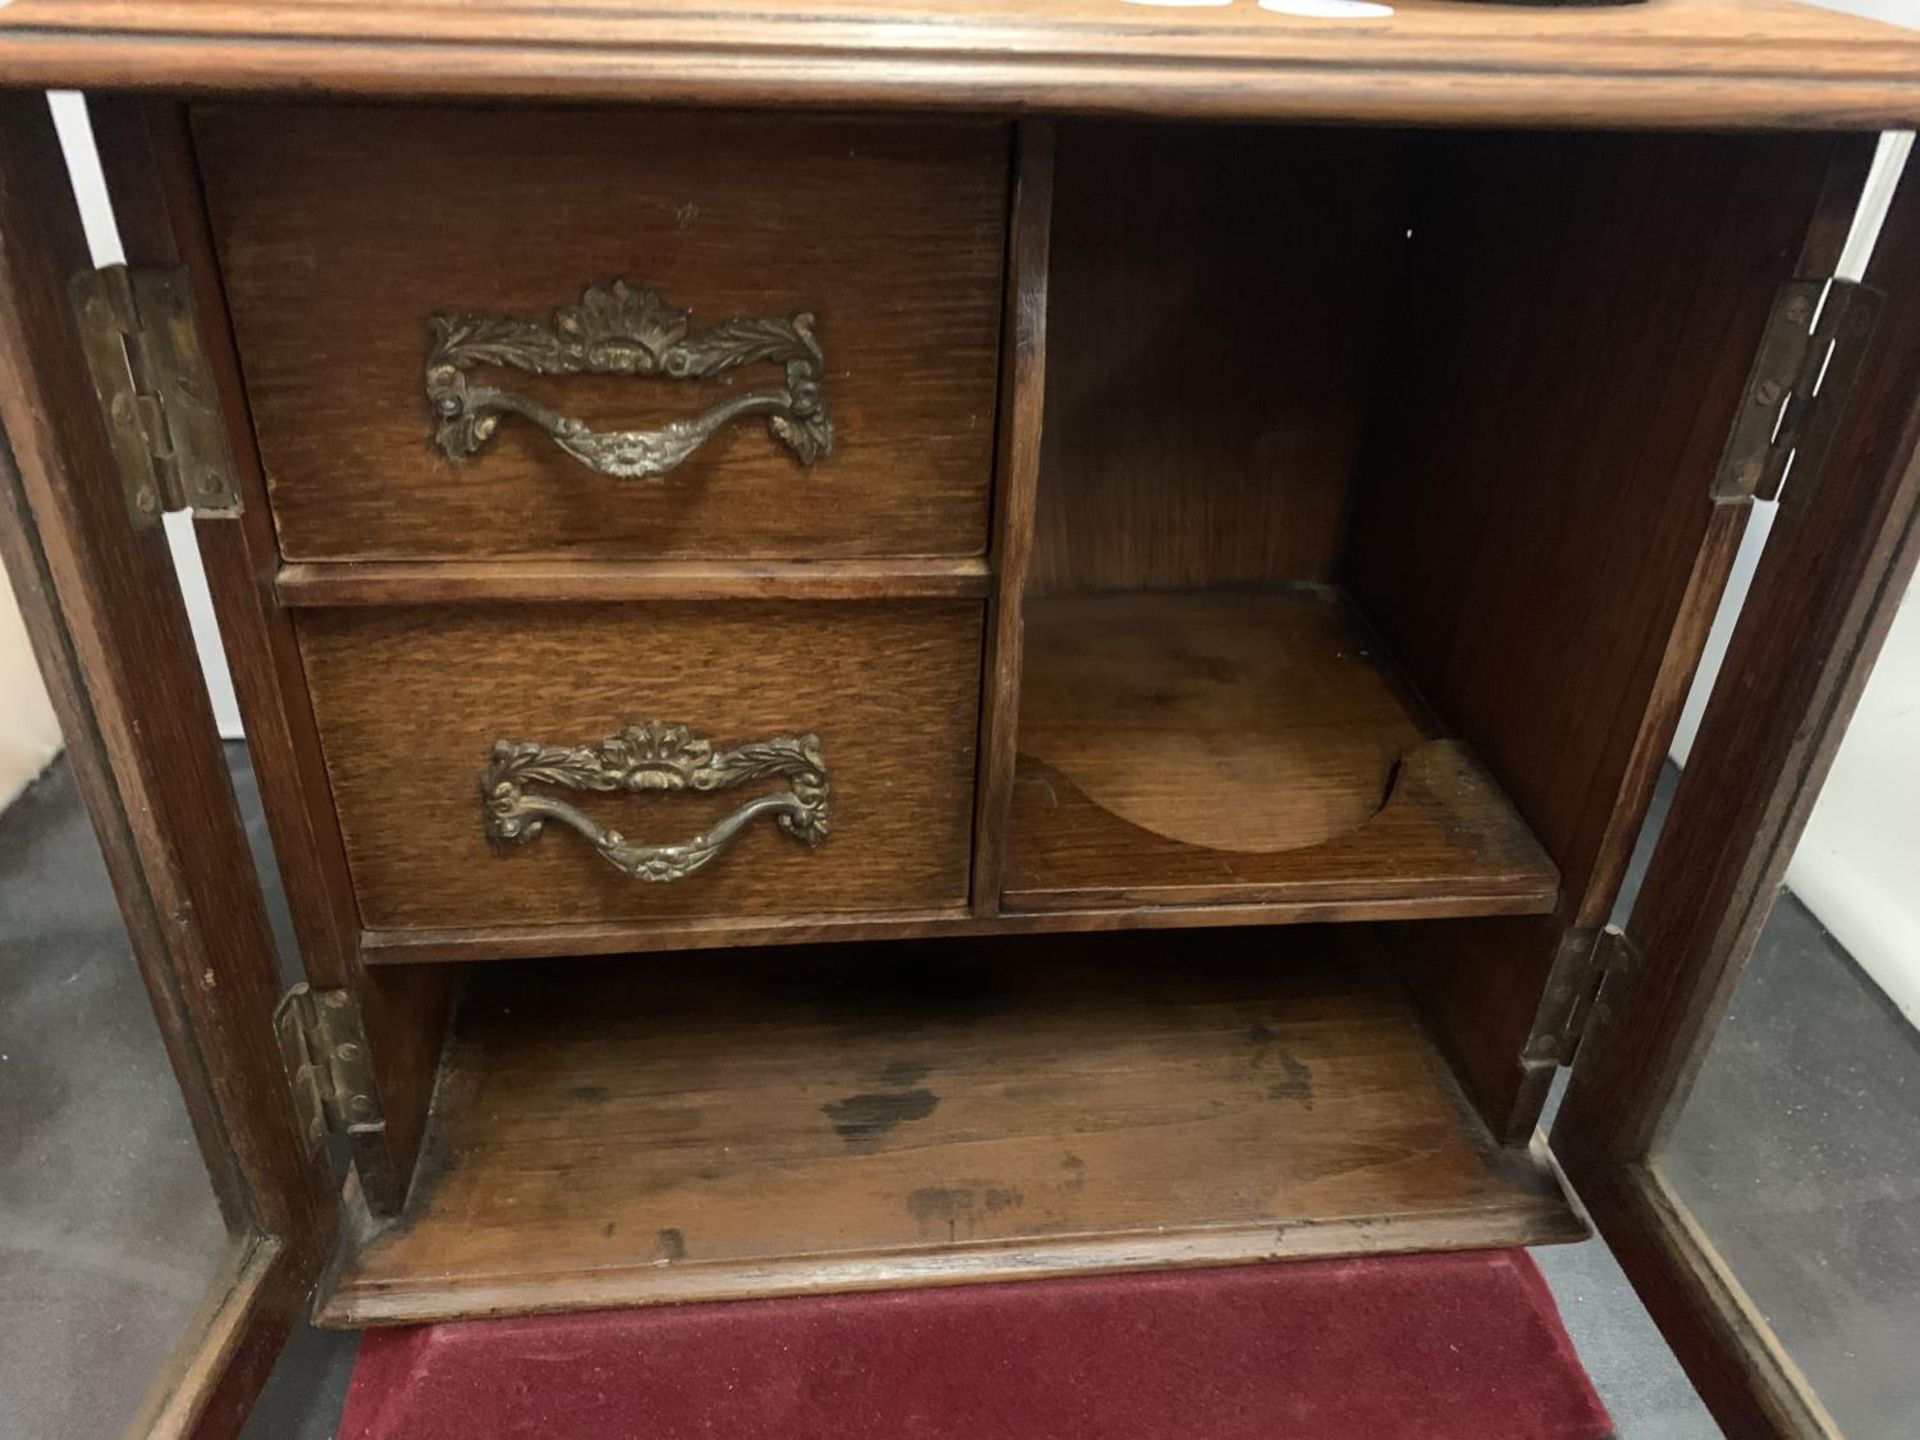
{"points": [[1328, 9]]}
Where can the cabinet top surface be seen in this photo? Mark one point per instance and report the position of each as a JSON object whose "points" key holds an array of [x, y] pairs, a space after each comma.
{"points": [[1662, 62]]}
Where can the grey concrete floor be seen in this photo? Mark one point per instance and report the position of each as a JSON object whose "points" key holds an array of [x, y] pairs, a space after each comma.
{"points": [[108, 1230], [1799, 1156]]}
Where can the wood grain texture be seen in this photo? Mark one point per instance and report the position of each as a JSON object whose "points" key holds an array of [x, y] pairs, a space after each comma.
{"points": [[109, 630], [401, 949], [211, 1381], [1839, 560], [863, 1118], [412, 700], [1730, 1353], [147, 159], [1023, 379], [1238, 747], [335, 583], [892, 235], [1232, 721], [1836, 566], [1532, 532], [1666, 62], [1210, 351]]}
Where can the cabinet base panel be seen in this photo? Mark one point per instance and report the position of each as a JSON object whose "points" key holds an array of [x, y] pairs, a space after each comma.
{"points": [[870, 1116]]}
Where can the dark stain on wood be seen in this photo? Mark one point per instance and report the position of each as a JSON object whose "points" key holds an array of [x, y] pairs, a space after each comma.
{"points": [[958, 1206], [1295, 1081], [673, 1245], [1092, 1049], [872, 1115]]}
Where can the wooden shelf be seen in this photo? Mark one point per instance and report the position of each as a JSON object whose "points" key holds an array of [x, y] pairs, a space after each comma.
{"points": [[334, 583], [1246, 747], [868, 1116]]}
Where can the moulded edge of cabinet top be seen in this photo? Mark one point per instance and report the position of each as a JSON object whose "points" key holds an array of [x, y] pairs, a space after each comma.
{"points": [[1658, 62]]}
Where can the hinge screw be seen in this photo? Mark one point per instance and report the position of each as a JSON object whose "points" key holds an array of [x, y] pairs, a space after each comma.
{"points": [[1767, 394]]}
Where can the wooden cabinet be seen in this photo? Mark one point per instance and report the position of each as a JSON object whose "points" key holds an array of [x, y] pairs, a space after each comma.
{"points": [[860, 695]]}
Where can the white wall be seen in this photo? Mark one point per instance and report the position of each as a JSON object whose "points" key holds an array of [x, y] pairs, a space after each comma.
{"points": [[1858, 866], [29, 735]]}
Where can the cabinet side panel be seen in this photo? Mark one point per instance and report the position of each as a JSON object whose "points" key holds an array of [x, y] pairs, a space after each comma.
{"points": [[1023, 374], [1533, 533]]}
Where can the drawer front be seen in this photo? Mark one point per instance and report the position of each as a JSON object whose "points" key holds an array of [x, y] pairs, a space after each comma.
{"points": [[614, 334], [497, 765]]}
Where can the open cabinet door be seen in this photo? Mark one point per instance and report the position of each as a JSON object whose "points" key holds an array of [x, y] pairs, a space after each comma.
{"points": [[1833, 573], [110, 631]]}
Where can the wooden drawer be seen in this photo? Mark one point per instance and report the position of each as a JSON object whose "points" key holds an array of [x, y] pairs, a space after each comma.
{"points": [[343, 231], [413, 701]]}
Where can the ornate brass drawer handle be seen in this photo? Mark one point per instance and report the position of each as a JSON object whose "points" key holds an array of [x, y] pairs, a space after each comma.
{"points": [[654, 757], [623, 329]]}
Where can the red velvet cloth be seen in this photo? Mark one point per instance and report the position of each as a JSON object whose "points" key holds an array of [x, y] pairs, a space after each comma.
{"points": [[1461, 1346]]}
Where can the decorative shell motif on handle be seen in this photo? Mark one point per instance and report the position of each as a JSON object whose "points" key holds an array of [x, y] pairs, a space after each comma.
{"points": [[619, 328]]}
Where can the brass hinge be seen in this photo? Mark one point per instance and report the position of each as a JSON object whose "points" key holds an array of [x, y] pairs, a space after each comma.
{"points": [[1798, 389], [325, 1055], [1614, 953], [1587, 958], [156, 391]]}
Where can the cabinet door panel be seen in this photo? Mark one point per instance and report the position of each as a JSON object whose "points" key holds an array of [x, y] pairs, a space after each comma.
{"points": [[110, 632], [1842, 549]]}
